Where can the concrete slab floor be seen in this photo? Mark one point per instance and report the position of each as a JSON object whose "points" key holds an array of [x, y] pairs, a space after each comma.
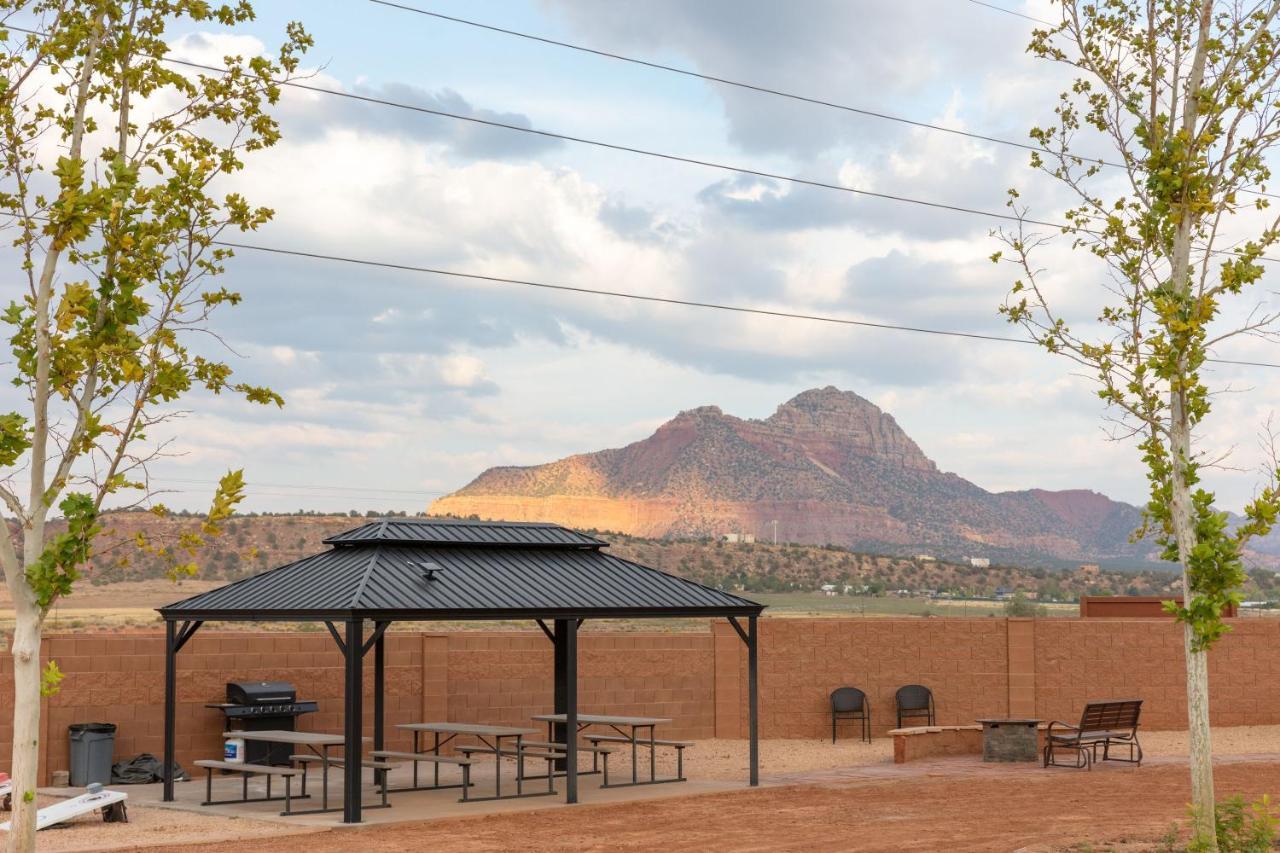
{"points": [[405, 806]]}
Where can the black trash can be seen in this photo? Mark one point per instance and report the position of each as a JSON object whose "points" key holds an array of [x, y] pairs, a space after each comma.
{"points": [[92, 748]]}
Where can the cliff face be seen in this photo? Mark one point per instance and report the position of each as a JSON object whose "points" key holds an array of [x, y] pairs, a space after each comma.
{"points": [[828, 466]]}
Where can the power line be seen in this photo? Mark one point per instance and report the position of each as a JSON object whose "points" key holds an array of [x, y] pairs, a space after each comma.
{"points": [[1006, 11], [677, 158], [346, 490], [663, 300], [613, 146], [664, 156], [644, 152], [712, 78], [767, 90]]}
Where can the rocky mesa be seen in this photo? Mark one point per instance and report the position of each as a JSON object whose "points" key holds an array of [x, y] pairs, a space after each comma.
{"points": [[828, 466]]}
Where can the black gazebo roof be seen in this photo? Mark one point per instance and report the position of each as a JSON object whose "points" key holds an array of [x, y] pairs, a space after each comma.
{"points": [[409, 569]]}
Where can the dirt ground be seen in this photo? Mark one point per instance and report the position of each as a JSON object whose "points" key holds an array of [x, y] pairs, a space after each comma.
{"points": [[851, 790], [148, 827], [727, 759], [1029, 810]]}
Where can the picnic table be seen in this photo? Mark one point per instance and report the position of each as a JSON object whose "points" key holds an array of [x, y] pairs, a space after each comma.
{"points": [[318, 742], [491, 736], [617, 723]]}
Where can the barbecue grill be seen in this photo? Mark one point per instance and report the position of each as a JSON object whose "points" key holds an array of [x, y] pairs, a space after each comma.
{"points": [[257, 706]]}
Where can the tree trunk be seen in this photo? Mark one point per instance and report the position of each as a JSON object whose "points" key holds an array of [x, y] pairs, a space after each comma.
{"points": [[1202, 798], [26, 727]]}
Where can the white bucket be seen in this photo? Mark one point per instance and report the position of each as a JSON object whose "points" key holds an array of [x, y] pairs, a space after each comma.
{"points": [[233, 750]]}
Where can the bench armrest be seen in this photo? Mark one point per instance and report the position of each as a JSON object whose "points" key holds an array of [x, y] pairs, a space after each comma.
{"points": [[1060, 724]]}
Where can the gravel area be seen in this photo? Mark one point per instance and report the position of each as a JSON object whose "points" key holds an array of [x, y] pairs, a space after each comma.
{"points": [[150, 827], [708, 759], [1241, 740], [727, 759]]}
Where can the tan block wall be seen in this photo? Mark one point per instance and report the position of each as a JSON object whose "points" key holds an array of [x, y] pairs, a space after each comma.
{"points": [[965, 662], [976, 668]]}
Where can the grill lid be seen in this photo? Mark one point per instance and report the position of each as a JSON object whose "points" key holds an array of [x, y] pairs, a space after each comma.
{"points": [[260, 692]]}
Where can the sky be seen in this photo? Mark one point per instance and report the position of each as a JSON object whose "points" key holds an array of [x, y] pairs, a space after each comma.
{"points": [[400, 386]]}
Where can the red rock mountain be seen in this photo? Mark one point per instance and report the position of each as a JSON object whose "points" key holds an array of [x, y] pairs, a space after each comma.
{"points": [[829, 466]]}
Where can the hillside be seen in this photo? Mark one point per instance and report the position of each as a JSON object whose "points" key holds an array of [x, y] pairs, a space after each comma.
{"points": [[829, 466], [255, 543]]}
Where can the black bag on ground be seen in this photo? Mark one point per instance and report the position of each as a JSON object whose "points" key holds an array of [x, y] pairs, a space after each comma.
{"points": [[143, 769]]}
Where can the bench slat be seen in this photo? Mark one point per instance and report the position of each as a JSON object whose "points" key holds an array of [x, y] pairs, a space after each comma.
{"points": [[265, 769], [547, 744], [681, 744], [338, 762], [430, 757]]}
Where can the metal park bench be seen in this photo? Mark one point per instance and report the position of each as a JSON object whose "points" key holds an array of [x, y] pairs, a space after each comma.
{"points": [[1102, 724]]}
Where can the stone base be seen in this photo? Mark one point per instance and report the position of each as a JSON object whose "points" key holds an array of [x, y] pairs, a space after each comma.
{"points": [[920, 742]]}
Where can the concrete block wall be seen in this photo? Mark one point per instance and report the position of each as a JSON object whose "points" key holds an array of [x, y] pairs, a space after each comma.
{"points": [[1046, 668]]}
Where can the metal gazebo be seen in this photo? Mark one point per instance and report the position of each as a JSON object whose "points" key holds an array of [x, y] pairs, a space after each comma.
{"points": [[400, 569]]}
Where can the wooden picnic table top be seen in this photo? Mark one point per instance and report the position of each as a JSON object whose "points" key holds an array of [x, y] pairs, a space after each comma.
{"points": [[282, 736], [467, 729], [604, 719]]}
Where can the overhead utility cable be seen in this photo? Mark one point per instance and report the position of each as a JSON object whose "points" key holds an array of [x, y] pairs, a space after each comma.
{"points": [[663, 300], [768, 90]]}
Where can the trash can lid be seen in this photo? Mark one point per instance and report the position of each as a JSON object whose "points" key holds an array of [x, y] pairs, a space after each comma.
{"points": [[97, 728]]}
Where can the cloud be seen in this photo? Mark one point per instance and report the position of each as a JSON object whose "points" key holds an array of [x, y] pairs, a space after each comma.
{"points": [[871, 55], [307, 115]]}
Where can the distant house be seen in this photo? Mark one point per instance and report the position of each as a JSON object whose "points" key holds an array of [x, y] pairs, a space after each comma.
{"points": [[926, 558], [980, 562], [829, 589], [734, 538], [1003, 593]]}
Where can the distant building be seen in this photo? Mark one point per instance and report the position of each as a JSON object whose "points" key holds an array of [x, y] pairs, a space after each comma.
{"points": [[980, 562], [829, 589], [926, 558], [1090, 569], [744, 538]]}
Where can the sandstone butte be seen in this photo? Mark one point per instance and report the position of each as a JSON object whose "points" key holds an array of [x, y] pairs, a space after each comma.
{"points": [[829, 466]]}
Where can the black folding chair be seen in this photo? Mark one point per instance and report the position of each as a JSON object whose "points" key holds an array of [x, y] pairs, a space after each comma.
{"points": [[915, 700], [850, 703]]}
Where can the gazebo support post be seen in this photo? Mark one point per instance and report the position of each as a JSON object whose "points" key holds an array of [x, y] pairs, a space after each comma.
{"points": [[379, 689], [571, 708], [353, 725], [561, 684], [753, 701], [170, 704], [174, 639], [750, 638]]}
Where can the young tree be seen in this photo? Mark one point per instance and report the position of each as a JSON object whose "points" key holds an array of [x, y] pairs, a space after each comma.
{"points": [[1183, 96], [110, 157]]}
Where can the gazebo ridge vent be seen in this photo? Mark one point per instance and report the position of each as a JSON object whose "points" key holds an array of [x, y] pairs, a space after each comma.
{"points": [[400, 569]]}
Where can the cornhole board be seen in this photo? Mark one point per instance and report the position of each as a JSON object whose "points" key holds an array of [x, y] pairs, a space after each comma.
{"points": [[74, 807]]}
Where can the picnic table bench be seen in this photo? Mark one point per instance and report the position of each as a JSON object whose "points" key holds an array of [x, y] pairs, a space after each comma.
{"points": [[679, 745], [1106, 724], [490, 736], [626, 731], [380, 768], [318, 742], [246, 771]]}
